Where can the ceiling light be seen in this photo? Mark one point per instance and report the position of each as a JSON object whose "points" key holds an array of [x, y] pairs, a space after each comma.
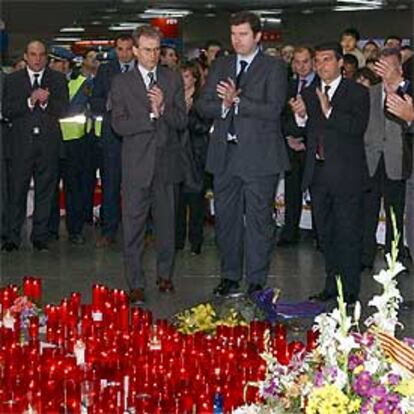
{"points": [[266, 12], [74, 29], [67, 39], [363, 2], [355, 8], [166, 13], [271, 20], [124, 26]]}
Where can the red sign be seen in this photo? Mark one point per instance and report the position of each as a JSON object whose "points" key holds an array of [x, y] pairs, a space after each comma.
{"points": [[168, 26], [272, 36]]}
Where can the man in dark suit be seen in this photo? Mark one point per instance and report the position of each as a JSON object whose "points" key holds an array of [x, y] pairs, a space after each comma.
{"points": [[111, 142], [302, 65], [149, 112], [34, 100], [245, 94], [335, 115]]}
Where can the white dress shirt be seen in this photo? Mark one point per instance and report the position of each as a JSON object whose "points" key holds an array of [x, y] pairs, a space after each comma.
{"points": [[32, 77], [301, 121]]}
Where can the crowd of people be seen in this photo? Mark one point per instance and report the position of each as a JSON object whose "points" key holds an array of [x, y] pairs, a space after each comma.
{"points": [[166, 134]]}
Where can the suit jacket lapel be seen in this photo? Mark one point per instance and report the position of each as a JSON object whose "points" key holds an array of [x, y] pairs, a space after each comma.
{"points": [[45, 78], [140, 81], [26, 80], [340, 90], [252, 70]]}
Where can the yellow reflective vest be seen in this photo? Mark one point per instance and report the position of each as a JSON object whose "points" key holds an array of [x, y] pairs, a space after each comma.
{"points": [[74, 127]]}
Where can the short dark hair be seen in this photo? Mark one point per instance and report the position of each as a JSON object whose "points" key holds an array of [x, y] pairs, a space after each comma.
{"points": [[36, 41], [391, 51], [301, 49], [330, 46], [246, 17], [398, 38], [351, 32], [367, 73], [146, 31], [194, 68], [372, 42], [164, 49], [212, 42], [351, 59], [123, 37]]}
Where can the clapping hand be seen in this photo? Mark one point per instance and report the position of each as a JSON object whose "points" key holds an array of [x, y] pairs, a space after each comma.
{"points": [[298, 106], [324, 101], [156, 97], [390, 74], [401, 108], [226, 90]]}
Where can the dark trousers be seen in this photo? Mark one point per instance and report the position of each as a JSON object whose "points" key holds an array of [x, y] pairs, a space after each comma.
{"points": [[92, 162], [337, 215], [244, 226], [293, 196], [71, 172], [41, 163], [194, 205], [5, 198], [393, 193], [111, 185], [137, 203]]}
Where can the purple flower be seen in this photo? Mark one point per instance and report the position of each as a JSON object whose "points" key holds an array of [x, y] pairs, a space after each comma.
{"points": [[354, 361], [389, 404], [378, 391], [394, 379], [363, 384], [319, 380]]}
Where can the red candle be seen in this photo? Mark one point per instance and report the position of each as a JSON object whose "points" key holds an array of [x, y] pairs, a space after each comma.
{"points": [[123, 317], [34, 328], [27, 286], [36, 289], [75, 302]]}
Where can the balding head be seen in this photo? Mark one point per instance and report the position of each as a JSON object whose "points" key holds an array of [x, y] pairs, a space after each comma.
{"points": [[35, 55]]}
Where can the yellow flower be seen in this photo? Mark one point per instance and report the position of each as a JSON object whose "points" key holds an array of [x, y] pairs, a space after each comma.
{"points": [[406, 388], [358, 369], [328, 400]]}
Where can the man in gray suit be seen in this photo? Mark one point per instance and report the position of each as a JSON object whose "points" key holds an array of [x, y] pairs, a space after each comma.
{"points": [[149, 112], [244, 95], [388, 153], [402, 107]]}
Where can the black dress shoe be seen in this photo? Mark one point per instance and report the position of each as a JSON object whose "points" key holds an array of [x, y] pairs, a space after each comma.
{"points": [[322, 296], [9, 247], [196, 250], [254, 288], [287, 242], [77, 239], [225, 287], [40, 246]]}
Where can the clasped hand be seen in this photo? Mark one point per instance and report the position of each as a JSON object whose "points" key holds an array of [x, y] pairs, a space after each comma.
{"points": [[39, 95], [156, 98], [227, 92]]}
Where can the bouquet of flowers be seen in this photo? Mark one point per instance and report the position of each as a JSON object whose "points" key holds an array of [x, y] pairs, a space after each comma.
{"points": [[24, 309], [349, 371]]}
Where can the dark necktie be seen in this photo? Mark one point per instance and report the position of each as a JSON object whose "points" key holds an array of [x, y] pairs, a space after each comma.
{"points": [[36, 83], [125, 68], [302, 85], [151, 78], [320, 150], [232, 131], [326, 90]]}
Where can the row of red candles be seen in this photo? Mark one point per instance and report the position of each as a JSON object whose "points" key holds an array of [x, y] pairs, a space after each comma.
{"points": [[107, 346]]}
